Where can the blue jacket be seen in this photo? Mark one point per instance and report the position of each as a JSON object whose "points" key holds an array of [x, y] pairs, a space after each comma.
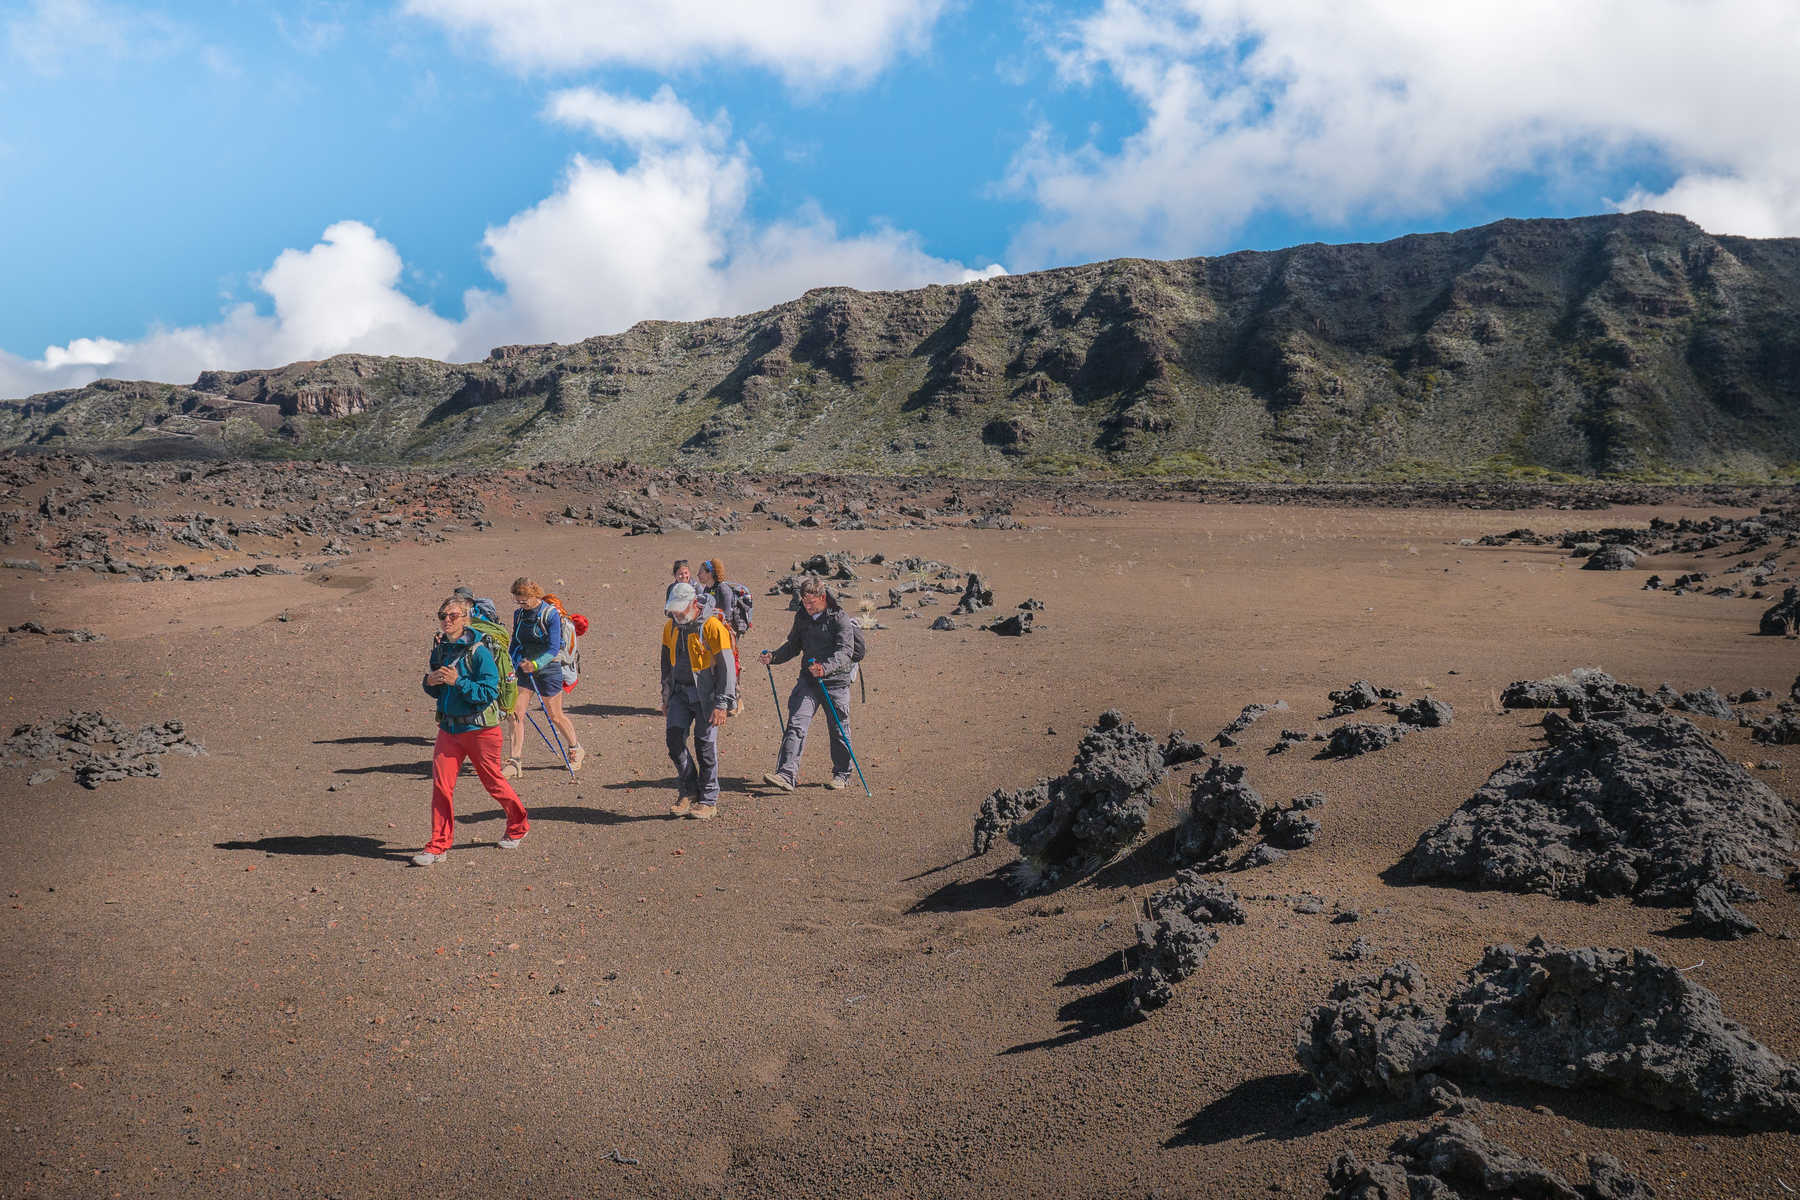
{"points": [[536, 636], [472, 702]]}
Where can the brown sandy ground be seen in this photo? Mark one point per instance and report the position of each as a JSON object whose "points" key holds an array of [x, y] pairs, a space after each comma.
{"points": [[228, 981]]}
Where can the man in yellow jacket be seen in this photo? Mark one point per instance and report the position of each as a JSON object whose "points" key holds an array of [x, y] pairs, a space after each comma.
{"points": [[699, 690]]}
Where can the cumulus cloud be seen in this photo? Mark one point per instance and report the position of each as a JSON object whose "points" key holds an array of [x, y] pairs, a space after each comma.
{"points": [[338, 296], [807, 42], [668, 235], [661, 120], [1387, 108]]}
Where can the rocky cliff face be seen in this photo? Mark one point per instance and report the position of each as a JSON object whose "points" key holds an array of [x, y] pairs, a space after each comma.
{"points": [[1604, 345]]}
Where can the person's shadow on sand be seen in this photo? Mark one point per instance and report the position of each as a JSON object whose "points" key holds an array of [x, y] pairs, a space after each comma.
{"points": [[383, 739], [322, 843], [611, 710], [573, 813]]}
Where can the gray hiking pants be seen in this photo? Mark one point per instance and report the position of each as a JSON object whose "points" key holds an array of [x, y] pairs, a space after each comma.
{"points": [[698, 772], [803, 703]]}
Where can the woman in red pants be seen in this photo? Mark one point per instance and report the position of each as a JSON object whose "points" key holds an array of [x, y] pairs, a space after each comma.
{"points": [[464, 679]]}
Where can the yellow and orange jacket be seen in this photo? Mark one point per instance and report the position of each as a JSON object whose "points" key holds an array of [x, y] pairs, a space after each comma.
{"points": [[712, 667]]}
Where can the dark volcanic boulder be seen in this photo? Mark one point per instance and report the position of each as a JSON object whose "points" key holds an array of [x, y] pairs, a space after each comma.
{"points": [[1252, 713], [1003, 809], [1016, 625], [975, 596], [1425, 713], [1347, 741], [1782, 619], [1178, 749], [1096, 810], [1175, 936], [1222, 809], [1454, 1161], [1613, 1020], [1358, 696], [1645, 807], [1615, 557], [1290, 829], [1706, 702]]}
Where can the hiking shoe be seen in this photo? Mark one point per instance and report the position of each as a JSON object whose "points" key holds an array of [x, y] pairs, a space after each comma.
{"points": [[577, 756], [425, 858], [510, 843], [683, 807], [512, 768], [839, 783], [704, 811], [776, 779]]}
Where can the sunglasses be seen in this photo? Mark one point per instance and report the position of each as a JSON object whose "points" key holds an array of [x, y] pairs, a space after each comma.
{"points": [[452, 616]]}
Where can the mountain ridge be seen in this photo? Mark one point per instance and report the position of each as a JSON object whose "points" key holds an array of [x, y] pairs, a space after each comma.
{"points": [[1620, 345]]}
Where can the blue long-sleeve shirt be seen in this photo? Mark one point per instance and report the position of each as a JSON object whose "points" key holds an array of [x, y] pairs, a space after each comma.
{"points": [[531, 627]]}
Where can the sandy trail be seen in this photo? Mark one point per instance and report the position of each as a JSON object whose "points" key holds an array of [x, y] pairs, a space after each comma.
{"points": [[228, 979]]}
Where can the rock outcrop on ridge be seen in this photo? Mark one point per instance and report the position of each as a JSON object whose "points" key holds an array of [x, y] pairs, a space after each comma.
{"points": [[1598, 345]]}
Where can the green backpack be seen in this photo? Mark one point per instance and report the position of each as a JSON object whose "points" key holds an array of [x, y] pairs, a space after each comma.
{"points": [[499, 642]]}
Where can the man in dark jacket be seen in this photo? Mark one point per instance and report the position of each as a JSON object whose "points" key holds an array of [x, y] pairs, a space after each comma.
{"points": [[826, 640], [465, 681]]}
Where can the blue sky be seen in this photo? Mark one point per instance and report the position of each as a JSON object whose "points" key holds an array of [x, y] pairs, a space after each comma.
{"points": [[242, 184]]}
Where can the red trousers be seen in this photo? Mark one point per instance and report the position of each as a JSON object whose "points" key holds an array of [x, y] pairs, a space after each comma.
{"points": [[483, 747]]}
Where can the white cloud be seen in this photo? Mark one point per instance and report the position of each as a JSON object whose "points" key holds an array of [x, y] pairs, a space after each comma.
{"points": [[807, 42], [337, 297], [668, 236], [660, 120], [83, 352], [1389, 108]]}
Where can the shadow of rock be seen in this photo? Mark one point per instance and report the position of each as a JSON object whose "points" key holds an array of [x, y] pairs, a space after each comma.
{"points": [[1150, 862], [1259, 1108], [1087, 1016], [988, 891]]}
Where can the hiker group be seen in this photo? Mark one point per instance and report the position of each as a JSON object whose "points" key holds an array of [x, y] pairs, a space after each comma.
{"points": [[483, 708]]}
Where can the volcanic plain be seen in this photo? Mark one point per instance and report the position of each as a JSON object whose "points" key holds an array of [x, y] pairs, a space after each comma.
{"points": [[229, 980]]}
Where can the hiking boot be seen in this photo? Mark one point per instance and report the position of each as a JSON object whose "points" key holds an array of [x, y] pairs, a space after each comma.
{"points": [[512, 768], [703, 811], [776, 779], [683, 807], [425, 858], [839, 783], [577, 756], [510, 843]]}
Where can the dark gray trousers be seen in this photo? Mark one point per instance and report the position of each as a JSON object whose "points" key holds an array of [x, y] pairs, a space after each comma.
{"points": [[803, 704], [698, 771]]}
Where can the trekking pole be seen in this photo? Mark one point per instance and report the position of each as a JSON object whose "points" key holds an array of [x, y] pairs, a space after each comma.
{"points": [[775, 696], [543, 708], [832, 709]]}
